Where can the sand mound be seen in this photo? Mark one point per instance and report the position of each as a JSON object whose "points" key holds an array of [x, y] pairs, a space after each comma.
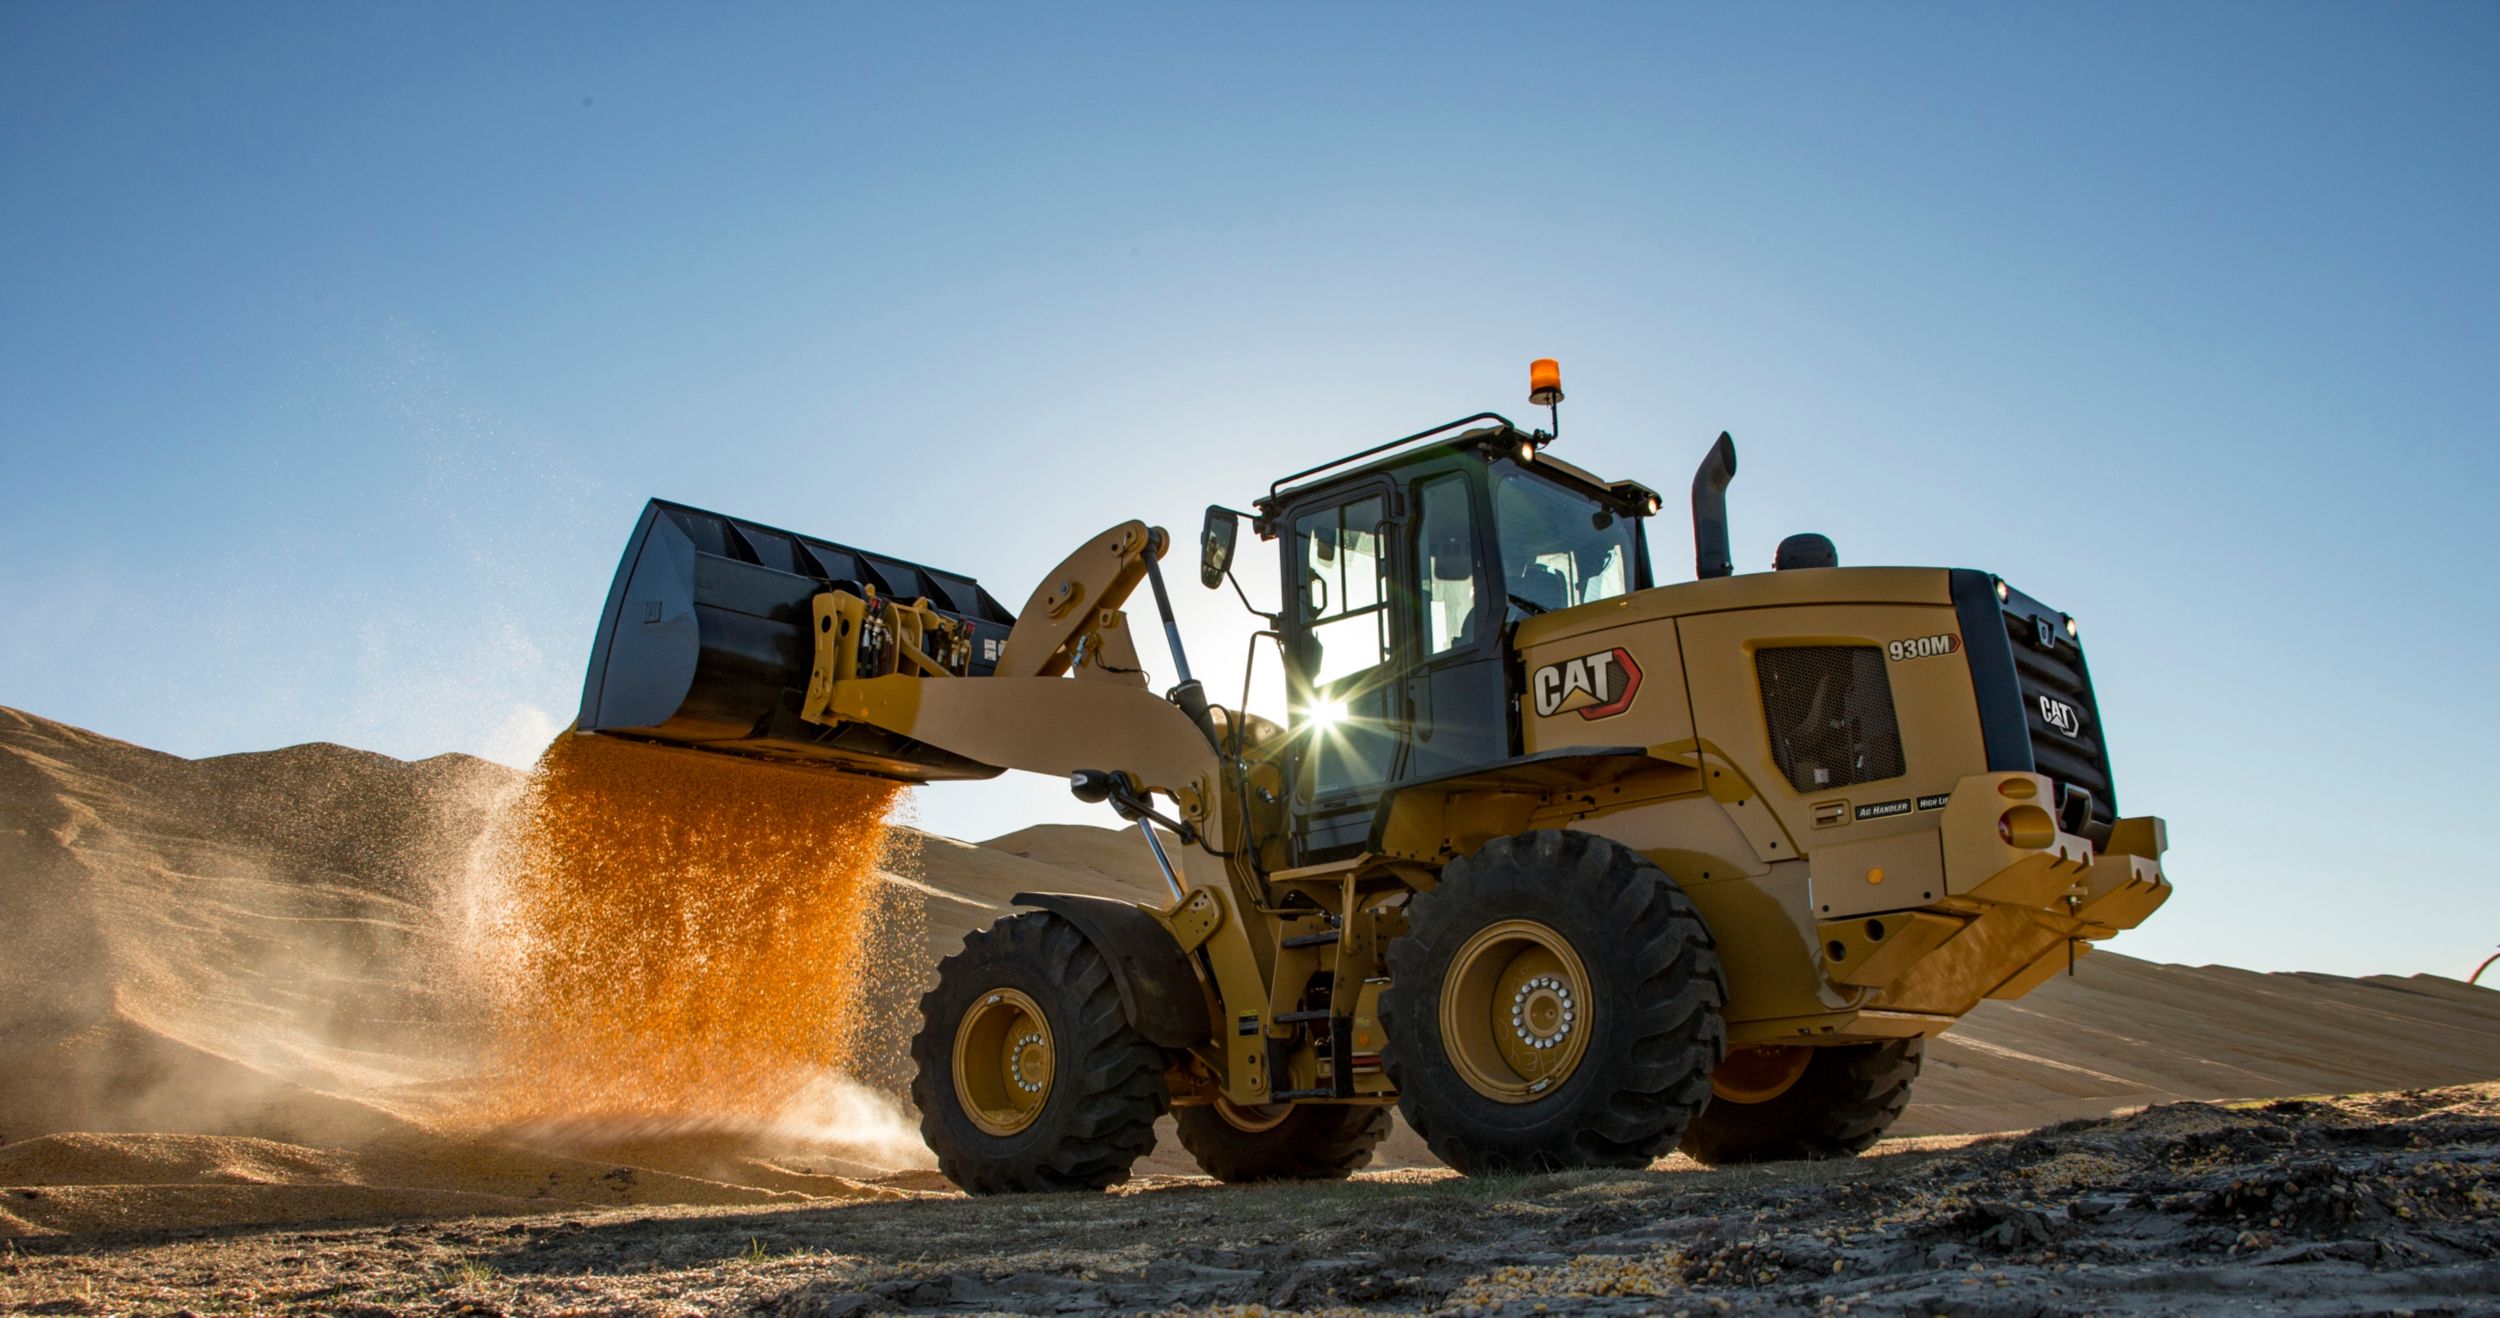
{"points": [[252, 972], [186, 952], [2122, 1033]]}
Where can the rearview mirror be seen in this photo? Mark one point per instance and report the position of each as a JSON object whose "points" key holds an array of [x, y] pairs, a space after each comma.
{"points": [[1215, 545]]}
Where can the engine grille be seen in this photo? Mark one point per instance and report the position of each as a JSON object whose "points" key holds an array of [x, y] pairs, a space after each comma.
{"points": [[1830, 713], [2065, 746], [2035, 691]]}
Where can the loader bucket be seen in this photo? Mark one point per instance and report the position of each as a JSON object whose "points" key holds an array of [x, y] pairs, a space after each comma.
{"points": [[707, 640]]}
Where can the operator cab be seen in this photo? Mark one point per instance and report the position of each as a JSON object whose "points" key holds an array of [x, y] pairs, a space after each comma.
{"points": [[1403, 577]]}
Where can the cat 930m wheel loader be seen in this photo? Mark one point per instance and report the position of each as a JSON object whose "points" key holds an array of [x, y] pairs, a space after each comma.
{"points": [[1571, 867]]}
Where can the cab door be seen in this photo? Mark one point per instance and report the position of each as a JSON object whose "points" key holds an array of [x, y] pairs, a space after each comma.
{"points": [[1458, 691], [1348, 707]]}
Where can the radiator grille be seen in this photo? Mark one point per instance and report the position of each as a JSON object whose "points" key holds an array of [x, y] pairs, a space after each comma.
{"points": [[1829, 708], [2058, 711]]}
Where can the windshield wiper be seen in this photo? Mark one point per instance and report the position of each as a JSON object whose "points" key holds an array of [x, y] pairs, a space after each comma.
{"points": [[1531, 606]]}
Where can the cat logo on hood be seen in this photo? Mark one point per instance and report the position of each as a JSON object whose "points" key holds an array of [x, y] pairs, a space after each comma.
{"points": [[1597, 685]]}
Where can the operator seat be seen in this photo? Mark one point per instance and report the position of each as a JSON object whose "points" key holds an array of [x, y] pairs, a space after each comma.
{"points": [[1541, 586]]}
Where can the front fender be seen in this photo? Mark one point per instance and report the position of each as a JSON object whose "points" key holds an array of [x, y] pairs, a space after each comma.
{"points": [[1160, 991]]}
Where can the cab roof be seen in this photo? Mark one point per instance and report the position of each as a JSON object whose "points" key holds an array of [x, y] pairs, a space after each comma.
{"points": [[1500, 439]]}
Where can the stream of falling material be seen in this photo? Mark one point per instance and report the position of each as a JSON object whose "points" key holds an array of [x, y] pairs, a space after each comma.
{"points": [[688, 937]]}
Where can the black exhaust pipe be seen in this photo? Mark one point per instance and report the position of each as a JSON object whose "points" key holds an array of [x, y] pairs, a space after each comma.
{"points": [[1711, 557]]}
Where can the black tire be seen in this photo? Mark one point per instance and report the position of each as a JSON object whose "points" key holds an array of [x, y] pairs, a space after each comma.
{"points": [[1652, 1002], [1845, 1100], [1105, 1089], [1308, 1142]]}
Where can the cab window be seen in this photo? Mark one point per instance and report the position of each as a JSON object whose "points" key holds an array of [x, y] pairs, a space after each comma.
{"points": [[1344, 608], [1559, 548], [1446, 544]]}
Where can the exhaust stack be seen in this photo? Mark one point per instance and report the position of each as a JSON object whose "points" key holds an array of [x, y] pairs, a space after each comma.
{"points": [[1711, 557]]}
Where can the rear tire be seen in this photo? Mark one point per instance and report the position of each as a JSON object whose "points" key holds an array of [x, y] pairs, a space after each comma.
{"points": [[1837, 1107], [1305, 1142], [1555, 1003], [1029, 1077]]}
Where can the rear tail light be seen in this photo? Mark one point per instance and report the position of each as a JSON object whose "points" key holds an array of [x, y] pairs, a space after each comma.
{"points": [[2028, 827]]}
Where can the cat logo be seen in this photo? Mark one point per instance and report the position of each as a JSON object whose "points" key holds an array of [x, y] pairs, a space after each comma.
{"points": [[1598, 686], [2061, 716]]}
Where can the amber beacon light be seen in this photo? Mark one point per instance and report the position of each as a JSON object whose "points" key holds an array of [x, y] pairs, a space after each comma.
{"points": [[1544, 382]]}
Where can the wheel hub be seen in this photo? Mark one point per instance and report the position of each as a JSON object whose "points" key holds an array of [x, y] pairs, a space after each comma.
{"points": [[1542, 1013], [1029, 1062]]}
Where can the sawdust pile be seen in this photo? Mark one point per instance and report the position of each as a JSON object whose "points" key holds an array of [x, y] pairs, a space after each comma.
{"points": [[686, 941]]}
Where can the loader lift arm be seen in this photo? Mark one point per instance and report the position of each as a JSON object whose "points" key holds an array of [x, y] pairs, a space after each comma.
{"points": [[1067, 696]]}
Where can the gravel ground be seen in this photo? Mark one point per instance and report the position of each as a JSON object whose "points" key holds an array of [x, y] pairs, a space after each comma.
{"points": [[2381, 1203]]}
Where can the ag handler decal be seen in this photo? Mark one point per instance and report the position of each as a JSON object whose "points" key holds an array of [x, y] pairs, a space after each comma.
{"points": [[1598, 685]]}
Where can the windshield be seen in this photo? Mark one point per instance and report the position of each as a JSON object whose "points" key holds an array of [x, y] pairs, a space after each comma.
{"points": [[1559, 548]]}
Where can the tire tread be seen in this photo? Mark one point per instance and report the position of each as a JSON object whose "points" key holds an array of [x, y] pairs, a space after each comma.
{"points": [[1110, 1076], [1848, 1097], [1658, 1083]]}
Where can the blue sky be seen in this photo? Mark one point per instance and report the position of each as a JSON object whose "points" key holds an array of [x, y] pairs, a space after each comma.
{"points": [[339, 346]]}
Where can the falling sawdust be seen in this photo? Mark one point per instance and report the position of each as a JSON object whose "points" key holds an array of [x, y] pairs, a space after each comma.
{"points": [[687, 941]]}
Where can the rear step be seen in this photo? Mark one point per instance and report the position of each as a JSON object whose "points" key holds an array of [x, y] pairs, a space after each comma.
{"points": [[708, 638]]}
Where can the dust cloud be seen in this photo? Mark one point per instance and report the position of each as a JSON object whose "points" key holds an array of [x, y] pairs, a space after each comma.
{"points": [[680, 943]]}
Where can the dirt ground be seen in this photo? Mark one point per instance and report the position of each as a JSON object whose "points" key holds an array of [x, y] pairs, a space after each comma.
{"points": [[2383, 1203]]}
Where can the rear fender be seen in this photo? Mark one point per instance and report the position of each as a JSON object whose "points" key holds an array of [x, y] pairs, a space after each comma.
{"points": [[1160, 991], [1435, 819]]}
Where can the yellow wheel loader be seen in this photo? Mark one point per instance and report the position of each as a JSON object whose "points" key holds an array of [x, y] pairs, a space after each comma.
{"points": [[1571, 867]]}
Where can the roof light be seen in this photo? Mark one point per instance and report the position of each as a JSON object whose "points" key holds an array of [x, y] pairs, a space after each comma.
{"points": [[2004, 592], [1527, 452], [2073, 632], [1544, 382]]}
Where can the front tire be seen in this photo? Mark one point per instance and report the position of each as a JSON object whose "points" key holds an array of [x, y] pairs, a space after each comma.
{"points": [[1303, 1142], [1555, 1003], [1028, 1075], [1833, 1103]]}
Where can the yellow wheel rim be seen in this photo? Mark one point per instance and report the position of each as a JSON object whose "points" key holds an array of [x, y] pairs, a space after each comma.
{"points": [[1003, 1061], [1516, 1011], [1253, 1120], [1758, 1075]]}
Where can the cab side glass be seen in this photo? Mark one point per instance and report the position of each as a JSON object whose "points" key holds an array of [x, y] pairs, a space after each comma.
{"points": [[1342, 599], [1446, 541]]}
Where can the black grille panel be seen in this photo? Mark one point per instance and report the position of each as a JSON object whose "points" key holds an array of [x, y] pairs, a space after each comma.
{"points": [[2036, 710], [2059, 713], [1830, 713]]}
